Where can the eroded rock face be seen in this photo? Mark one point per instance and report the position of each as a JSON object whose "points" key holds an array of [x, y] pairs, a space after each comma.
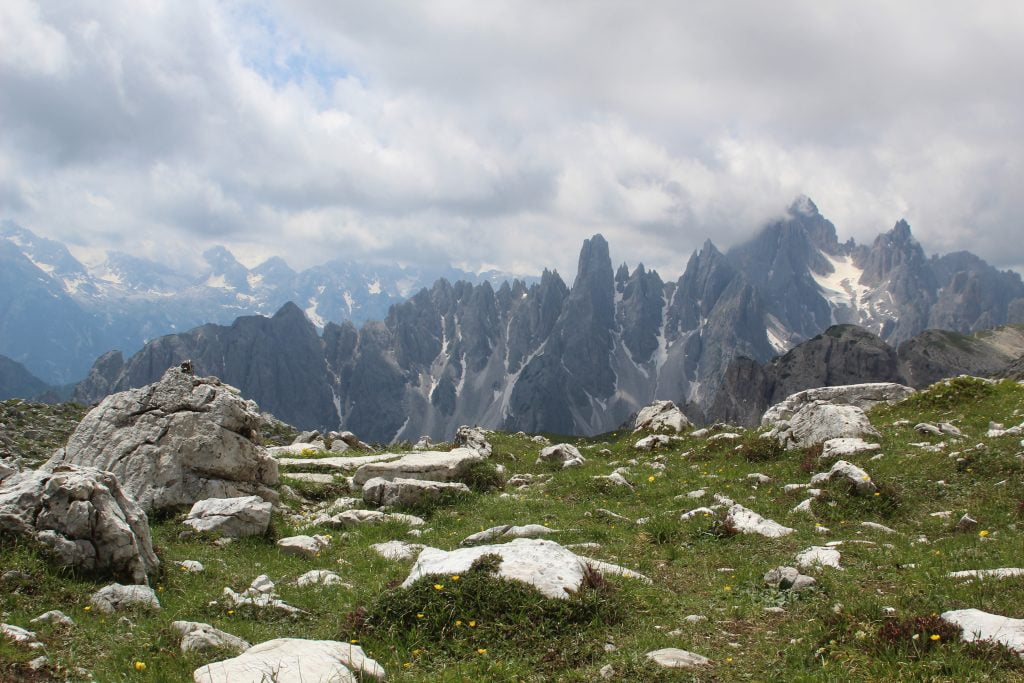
{"points": [[83, 518], [175, 442], [661, 416]]}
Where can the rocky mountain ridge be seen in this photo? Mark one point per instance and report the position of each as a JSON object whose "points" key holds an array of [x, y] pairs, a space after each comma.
{"points": [[580, 360], [57, 314], [847, 354]]}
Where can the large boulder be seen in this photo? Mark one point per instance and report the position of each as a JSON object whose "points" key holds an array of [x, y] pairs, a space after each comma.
{"points": [[661, 416], [175, 442], [564, 454], [83, 518], [819, 422], [554, 570], [863, 396], [233, 517], [426, 466], [294, 660]]}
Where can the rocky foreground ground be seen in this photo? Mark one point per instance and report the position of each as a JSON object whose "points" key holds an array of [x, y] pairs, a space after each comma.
{"points": [[866, 532]]}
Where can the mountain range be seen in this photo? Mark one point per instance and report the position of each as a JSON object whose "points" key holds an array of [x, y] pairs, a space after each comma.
{"points": [[546, 357], [57, 314]]}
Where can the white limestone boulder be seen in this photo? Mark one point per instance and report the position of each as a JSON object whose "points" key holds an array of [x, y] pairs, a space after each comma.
{"points": [[294, 660], [844, 447], [674, 658], [303, 546], [81, 517], [819, 422], [662, 416], [549, 567], [116, 597], [474, 439], [564, 454], [746, 521], [197, 636], [863, 396], [507, 531], [426, 466], [818, 556], [975, 624], [180, 440], [232, 517]]}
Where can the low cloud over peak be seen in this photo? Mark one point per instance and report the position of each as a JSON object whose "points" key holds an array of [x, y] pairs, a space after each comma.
{"points": [[502, 134]]}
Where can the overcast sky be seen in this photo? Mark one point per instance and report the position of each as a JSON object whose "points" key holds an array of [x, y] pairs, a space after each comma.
{"points": [[501, 134]]}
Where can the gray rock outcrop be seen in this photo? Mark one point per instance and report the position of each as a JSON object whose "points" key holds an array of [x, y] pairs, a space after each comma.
{"points": [[176, 442], [83, 518], [197, 636]]}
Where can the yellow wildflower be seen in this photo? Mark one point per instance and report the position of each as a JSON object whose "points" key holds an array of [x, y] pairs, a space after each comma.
{"points": [[472, 623], [438, 587], [458, 622], [456, 577], [983, 533], [140, 666], [481, 650], [650, 478], [936, 636]]}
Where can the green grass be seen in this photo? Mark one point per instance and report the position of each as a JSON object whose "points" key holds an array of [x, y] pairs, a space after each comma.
{"points": [[838, 631]]}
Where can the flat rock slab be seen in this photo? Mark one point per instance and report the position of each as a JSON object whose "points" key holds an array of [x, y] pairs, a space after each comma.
{"points": [[197, 636], [845, 446], [355, 517], [747, 521], [309, 477], [1002, 573], [233, 517], [341, 464], [552, 569], [294, 660], [426, 466], [674, 658], [977, 625], [507, 531]]}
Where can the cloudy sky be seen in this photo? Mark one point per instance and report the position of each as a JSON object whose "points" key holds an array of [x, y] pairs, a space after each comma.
{"points": [[501, 134]]}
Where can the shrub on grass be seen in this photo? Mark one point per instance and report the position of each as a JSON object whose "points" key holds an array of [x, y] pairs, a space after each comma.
{"points": [[457, 615], [483, 476]]}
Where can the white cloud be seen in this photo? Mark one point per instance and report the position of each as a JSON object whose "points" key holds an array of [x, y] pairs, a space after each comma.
{"points": [[505, 133]]}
